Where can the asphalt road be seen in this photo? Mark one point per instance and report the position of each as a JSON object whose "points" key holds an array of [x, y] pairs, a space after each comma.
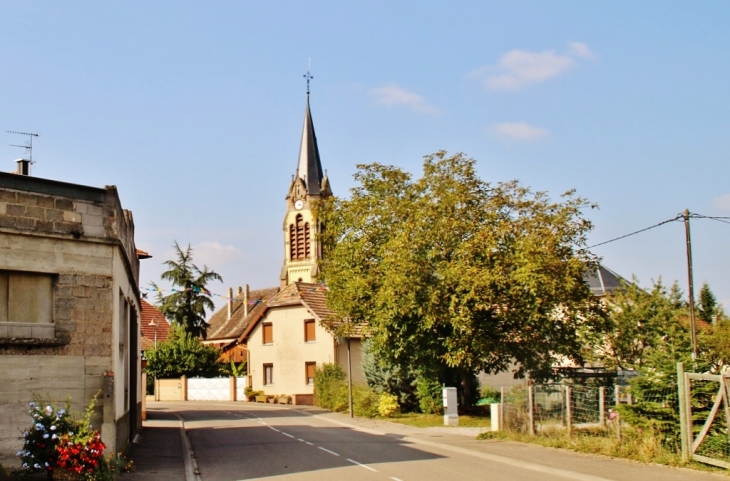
{"points": [[236, 441]]}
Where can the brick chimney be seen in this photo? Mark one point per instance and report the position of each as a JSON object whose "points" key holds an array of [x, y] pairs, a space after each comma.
{"points": [[23, 167], [230, 302], [245, 301]]}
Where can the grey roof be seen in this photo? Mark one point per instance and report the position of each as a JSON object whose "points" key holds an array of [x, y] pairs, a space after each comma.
{"points": [[603, 281], [309, 167]]}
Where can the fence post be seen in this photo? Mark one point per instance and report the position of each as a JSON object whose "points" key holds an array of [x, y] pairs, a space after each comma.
{"points": [[683, 425], [232, 387], [568, 411], [602, 406], [618, 415], [531, 407]]}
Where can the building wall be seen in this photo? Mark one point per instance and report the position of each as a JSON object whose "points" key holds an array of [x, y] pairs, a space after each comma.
{"points": [[84, 241], [288, 353]]}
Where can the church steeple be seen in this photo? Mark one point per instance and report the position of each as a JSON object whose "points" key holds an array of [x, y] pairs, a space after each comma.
{"points": [[309, 167], [302, 249]]}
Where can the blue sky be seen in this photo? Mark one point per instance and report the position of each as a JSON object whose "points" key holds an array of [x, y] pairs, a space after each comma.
{"points": [[194, 110]]}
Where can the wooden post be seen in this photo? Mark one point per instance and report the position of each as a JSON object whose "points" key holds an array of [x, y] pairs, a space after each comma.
{"points": [[349, 378], [568, 411], [531, 407], [684, 427], [232, 387], [144, 396], [502, 393], [157, 389], [618, 416], [602, 406]]}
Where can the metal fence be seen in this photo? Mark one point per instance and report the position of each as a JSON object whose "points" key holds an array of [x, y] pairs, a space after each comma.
{"points": [[686, 414]]}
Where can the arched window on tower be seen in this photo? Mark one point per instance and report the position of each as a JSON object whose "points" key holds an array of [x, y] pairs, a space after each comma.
{"points": [[299, 246]]}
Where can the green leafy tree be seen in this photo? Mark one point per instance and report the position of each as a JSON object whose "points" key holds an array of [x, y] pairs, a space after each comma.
{"points": [[190, 299], [642, 321], [450, 271], [396, 380], [183, 354], [707, 306]]}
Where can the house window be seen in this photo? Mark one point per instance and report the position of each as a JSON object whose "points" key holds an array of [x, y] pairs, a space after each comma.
{"points": [[309, 333], [309, 369], [268, 331], [26, 297], [268, 374]]}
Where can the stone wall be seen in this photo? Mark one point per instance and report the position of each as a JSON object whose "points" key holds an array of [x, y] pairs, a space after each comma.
{"points": [[82, 238], [50, 377]]}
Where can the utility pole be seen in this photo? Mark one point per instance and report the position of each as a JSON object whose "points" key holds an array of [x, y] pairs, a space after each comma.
{"points": [[692, 326], [349, 378]]}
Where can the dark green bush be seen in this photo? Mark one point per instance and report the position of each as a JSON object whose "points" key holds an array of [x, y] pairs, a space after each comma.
{"points": [[330, 387], [430, 395]]}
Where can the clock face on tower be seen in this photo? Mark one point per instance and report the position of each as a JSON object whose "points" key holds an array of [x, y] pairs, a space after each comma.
{"points": [[299, 204]]}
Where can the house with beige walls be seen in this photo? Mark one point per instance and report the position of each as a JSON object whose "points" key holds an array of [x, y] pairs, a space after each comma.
{"points": [[69, 306], [282, 331], [289, 339]]}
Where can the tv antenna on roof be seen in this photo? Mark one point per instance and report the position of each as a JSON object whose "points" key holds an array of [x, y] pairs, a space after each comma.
{"points": [[28, 145]]}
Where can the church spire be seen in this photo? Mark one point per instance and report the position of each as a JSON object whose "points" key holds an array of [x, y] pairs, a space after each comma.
{"points": [[309, 167]]}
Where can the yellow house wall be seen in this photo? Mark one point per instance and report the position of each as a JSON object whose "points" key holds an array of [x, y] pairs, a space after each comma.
{"points": [[288, 353]]}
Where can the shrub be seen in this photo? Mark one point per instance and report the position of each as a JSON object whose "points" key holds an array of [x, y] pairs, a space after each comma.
{"points": [[430, 395], [183, 354], [364, 401], [40, 441], [489, 395], [330, 387], [388, 405], [58, 441]]}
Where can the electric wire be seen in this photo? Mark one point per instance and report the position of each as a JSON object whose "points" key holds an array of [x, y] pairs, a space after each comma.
{"points": [[724, 220], [678, 217]]}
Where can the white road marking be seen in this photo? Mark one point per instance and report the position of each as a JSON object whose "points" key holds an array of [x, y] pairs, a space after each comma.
{"points": [[395, 479], [287, 434], [327, 450], [309, 443], [300, 439], [272, 427], [362, 465]]}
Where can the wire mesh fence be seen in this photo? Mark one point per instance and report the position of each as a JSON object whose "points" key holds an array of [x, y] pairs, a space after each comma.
{"points": [[592, 411], [677, 416]]}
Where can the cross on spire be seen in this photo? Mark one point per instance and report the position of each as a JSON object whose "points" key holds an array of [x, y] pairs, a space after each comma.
{"points": [[308, 75]]}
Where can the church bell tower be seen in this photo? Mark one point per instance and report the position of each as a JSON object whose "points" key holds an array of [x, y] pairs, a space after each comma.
{"points": [[302, 249]]}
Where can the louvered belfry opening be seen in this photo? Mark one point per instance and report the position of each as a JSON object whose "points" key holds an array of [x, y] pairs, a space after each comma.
{"points": [[300, 248]]}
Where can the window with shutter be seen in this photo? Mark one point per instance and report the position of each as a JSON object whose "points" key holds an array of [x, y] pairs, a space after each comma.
{"points": [[268, 333], [26, 305], [310, 368], [309, 330]]}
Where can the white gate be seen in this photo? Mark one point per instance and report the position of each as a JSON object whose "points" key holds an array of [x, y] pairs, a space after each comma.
{"points": [[214, 389]]}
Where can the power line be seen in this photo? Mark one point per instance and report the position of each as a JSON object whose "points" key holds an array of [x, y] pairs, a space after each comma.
{"points": [[678, 217], [715, 218]]}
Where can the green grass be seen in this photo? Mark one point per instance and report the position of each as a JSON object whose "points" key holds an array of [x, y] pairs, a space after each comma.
{"points": [[432, 420], [634, 445]]}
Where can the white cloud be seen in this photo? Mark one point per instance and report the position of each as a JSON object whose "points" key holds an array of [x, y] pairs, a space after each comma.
{"points": [[580, 50], [520, 131], [722, 202], [215, 255], [519, 68], [392, 95]]}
